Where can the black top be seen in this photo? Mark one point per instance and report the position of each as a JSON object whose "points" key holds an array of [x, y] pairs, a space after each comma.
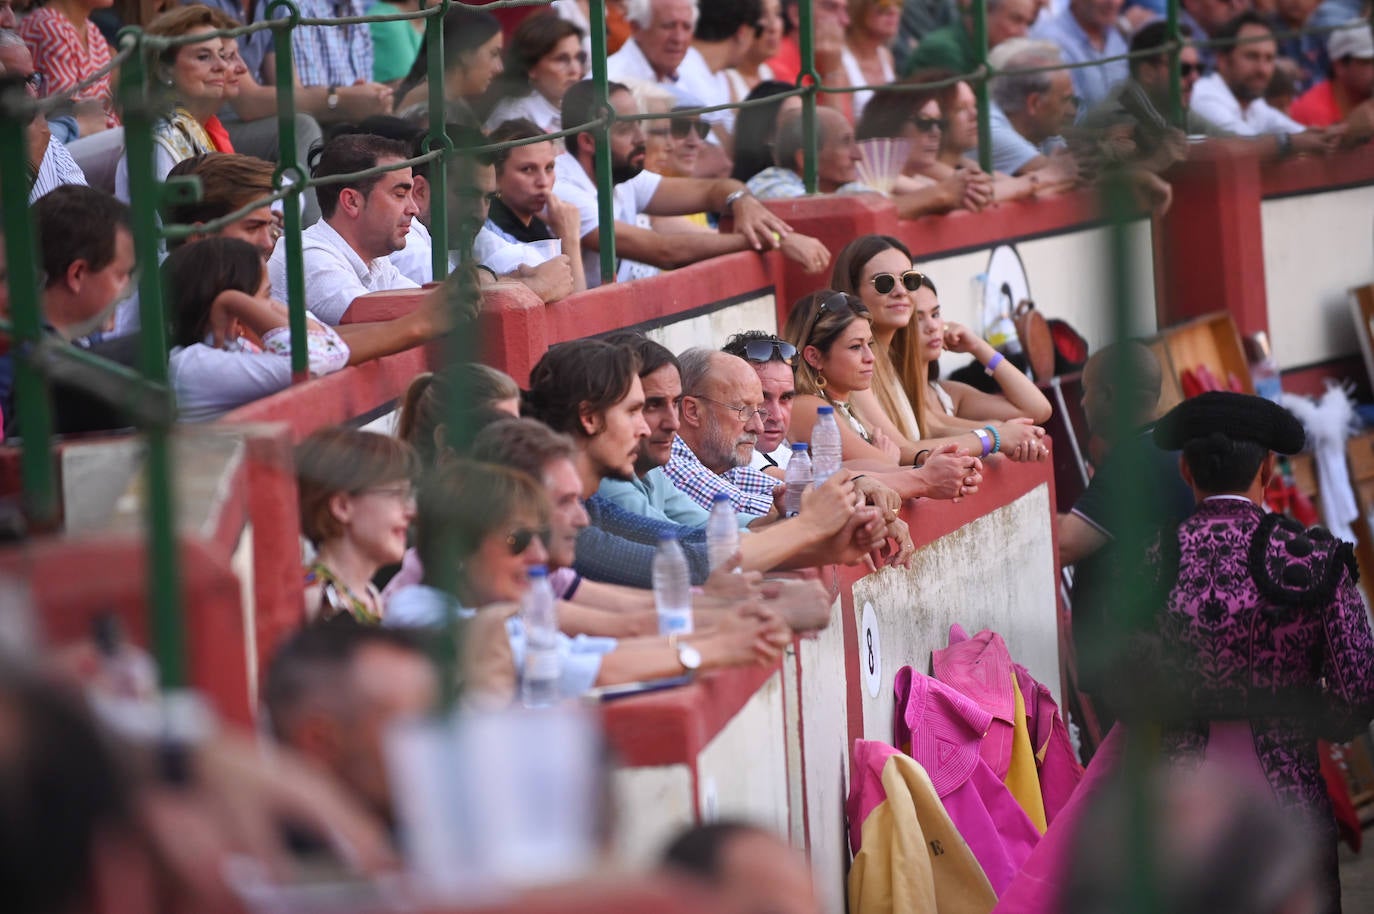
{"points": [[500, 215]]}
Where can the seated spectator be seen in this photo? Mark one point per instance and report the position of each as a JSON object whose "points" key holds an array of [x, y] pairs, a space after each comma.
{"points": [[909, 336], [833, 332], [752, 869], [829, 19], [332, 64], [68, 49], [1150, 74], [837, 159], [395, 44], [472, 59], [951, 47], [231, 342], [1344, 97], [50, 164], [363, 221], [544, 60], [959, 147], [1206, 19], [525, 212], [334, 689], [1303, 52], [357, 501], [752, 68], [1030, 110], [772, 359], [194, 75], [866, 59], [426, 415], [653, 98], [489, 523], [1233, 96], [660, 40], [722, 35], [639, 191], [1086, 32], [756, 128], [687, 140]]}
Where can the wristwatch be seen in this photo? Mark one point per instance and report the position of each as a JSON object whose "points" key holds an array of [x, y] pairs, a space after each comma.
{"points": [[688, 656], [331, 100]]}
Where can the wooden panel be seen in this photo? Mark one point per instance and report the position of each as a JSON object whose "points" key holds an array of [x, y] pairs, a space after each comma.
{"points": [[1210, 341], [1359, 451]]}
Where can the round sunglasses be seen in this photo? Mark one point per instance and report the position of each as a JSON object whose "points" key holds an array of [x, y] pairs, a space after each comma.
{"points": [[912, 280]]}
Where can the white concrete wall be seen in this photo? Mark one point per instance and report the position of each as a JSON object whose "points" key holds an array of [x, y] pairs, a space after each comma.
{"points": [[714, 328], [1316, 247], [652, 805]]}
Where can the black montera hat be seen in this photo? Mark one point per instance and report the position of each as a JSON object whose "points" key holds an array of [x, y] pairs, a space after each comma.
{"points": [[1240, 416]]}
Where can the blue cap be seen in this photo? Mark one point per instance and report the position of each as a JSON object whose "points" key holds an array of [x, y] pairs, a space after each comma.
{"points": [[799, 445], [719, 497], [825, 410], [538, 571]]}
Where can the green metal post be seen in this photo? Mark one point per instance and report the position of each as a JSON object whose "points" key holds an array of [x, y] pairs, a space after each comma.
{"points": [[605, 208], [808, 76], [980, 86], [1176, 115], [288, 168], [164, 575], [26, 309], [438, 138]]}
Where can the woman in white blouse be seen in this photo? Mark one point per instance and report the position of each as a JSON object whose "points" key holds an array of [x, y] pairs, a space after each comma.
{"points": [[545, 57]]}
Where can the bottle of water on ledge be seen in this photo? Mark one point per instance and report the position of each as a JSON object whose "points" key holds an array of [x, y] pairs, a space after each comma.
{"points": [[672, 588], [826, 454], [798, 477], [722, 531], [543, 667]]}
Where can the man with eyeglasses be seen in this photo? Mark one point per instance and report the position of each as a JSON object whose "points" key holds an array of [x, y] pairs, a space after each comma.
{"points": [[50, 164], [772, 359], [1030, 111], [1086, 33]]}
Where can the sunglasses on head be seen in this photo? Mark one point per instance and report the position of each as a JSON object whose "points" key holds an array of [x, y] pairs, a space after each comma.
{"points": [[912, 280], [763, 351], [519, 540], [681, 126], [928, 124]]}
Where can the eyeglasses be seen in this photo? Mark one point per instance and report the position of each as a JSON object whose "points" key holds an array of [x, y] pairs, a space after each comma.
{"points": [[403, 493], [519, 540], [745, 413], [681, 126], [763, 351], [912, 280], [1188, 69], [929, 124]]}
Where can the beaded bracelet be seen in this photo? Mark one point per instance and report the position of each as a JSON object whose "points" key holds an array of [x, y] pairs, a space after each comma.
{"points": [[996, 438], [985, 439], [991, 367]]}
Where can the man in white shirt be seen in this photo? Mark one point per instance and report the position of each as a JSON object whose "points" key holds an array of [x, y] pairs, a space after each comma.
{"points": [[724, 33], [1233, 96], [639, 191], [660, 39], [362, 222]]}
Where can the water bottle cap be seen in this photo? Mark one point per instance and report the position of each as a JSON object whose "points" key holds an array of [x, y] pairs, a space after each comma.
{"points": [[720, 497], [825, 410], [538, 571], [798, 446]]}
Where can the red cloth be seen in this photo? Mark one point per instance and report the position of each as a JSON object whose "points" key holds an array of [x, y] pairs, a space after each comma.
{"points": [[58, 54], [1347, 819], [1317, 106], [218, 134], [786, 64]]}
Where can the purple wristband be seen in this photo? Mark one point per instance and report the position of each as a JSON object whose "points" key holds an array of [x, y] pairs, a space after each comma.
{"points": [[991, 367]]}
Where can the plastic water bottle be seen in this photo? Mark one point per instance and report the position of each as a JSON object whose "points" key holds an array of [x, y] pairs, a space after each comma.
{"points": [[722, 531], [826, 455], [672, 588], [798, 477], [543, 666]]}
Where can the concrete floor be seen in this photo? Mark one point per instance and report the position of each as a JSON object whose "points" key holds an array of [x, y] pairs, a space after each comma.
{"points": [[1357, 877]]}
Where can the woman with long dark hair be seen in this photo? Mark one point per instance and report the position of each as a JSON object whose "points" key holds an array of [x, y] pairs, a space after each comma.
{"points": [[472, 60], [757, 128], [545, 57]]}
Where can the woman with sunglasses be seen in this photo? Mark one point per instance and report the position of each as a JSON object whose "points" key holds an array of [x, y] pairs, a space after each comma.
{"points": [[356, 505], [545, 57], [488, 525], [833, 334], [879, 269]]}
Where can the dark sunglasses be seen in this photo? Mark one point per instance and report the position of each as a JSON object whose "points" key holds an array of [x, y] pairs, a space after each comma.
{"points": [[1188, 69], [519, 540], [929, 124], [763, 351], [834, 303], [681, 126], [912, 280]]}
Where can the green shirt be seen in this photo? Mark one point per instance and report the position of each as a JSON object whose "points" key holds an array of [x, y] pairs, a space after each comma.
{"points": [[395, 44], [950, 48]]}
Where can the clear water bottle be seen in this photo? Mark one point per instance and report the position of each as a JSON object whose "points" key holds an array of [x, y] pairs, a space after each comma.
{"points": [[672, 588], [722, 531], [1264, 371], [826, 454], [543, 667], [798, 477]]}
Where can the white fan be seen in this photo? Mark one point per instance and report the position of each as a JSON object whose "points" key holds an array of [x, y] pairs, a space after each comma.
{"points": [[882, 161]]}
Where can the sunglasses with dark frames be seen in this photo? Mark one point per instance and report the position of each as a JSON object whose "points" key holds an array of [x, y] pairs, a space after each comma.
{"points": [[929, 124], [763, 351], [912, 280], [1188, 69], [681, 126], [519, 540], [834, 303]]}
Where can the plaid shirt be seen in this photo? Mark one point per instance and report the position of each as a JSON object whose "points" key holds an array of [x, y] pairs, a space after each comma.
{"points": [[750, 491], [336, 55], [618, 547]]}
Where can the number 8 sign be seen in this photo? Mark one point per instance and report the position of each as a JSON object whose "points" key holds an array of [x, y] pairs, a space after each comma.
{"points": [[871, 651]]}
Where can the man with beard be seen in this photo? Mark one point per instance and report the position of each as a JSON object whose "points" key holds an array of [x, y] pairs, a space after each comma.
{"points": [[1233, 96], [638, 191]]}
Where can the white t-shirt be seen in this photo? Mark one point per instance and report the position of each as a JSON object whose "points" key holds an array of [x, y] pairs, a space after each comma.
{"points": [[574, 185], [415, 260], [1214, 100], [534, 106], [334, 273]]}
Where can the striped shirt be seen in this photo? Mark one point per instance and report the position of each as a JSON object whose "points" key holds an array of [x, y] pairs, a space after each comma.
{"points": [[338, 55], [58, 168], [59, 55], [750, 491]]}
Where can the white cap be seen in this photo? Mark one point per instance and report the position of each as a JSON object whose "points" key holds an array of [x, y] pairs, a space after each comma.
{"points": [[1354, 39]]}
